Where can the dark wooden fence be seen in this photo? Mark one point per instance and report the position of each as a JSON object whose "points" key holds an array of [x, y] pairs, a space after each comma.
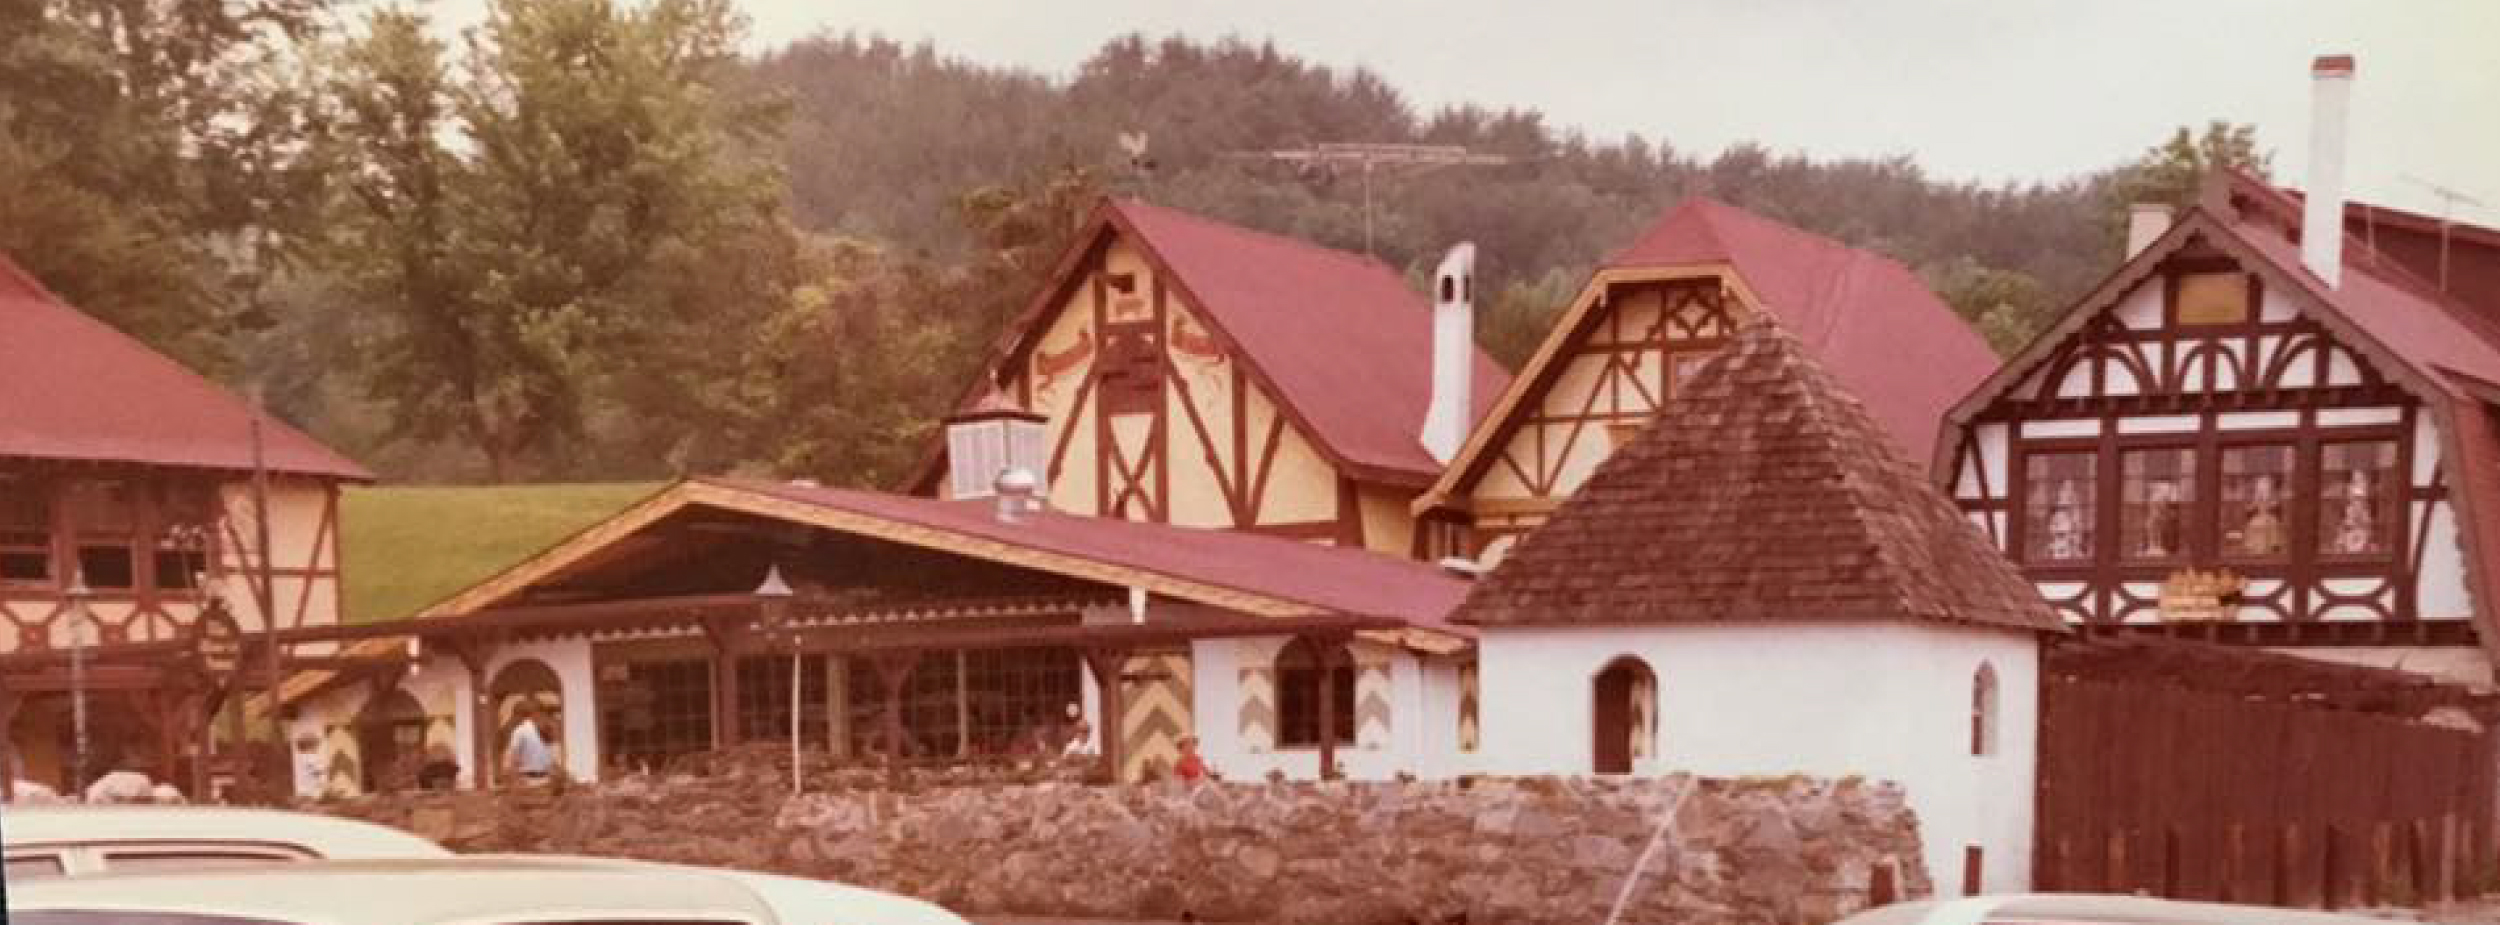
{"points": [[2193, 794]]}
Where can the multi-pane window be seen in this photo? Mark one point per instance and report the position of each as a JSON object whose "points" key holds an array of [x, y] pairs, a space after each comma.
{"points": [[2256, 481], [2059, 501], [1298, 678], [186, 527], [764, 698], [987, 702], [650, 712], [105, 514], [2157, 490], [2356, 498], [25, 533]]}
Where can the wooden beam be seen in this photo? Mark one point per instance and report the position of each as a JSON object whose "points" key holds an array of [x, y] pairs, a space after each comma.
{"points": [[1107, 664]]}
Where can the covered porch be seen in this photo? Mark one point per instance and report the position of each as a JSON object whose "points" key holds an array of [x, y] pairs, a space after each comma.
{"points": [[863, 629]]}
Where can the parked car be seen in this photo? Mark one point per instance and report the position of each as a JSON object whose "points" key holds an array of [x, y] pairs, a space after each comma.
{"points": [[2089, 909], [467, 890], [51, 841]]}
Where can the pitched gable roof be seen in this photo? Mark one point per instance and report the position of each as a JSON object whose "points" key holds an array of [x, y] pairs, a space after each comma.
{"points": [[1856, 310], [1853, 309], [2443, 351], [1338, 338], [1763, 492], [72, 387]]}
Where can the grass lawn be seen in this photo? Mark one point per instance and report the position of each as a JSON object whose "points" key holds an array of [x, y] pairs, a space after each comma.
{"points": [[409, 546]]}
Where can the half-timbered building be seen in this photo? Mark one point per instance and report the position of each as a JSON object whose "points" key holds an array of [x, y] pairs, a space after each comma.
{"points": [[1649, 316], [1189, 372], [128, 510], [2259, 433], [1760, 583]]}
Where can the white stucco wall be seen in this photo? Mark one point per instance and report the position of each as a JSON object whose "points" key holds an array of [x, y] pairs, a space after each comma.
{"points": [[1421, 737], [1888, 701]]}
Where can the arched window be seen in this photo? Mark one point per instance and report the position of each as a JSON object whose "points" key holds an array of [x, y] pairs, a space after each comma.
{"points": [[1623, 715], [1983, 711], [1301, 667]]}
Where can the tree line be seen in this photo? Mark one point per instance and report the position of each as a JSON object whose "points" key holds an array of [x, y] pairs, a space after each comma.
{"points": [[590, 239]]}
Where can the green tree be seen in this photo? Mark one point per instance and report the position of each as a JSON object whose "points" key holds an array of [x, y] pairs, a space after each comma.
{"points": [[2172, 171], [516, 218], [152, 158]]}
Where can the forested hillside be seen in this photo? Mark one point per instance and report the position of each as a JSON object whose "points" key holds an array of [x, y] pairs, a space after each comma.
{"points": [[592, 241]]}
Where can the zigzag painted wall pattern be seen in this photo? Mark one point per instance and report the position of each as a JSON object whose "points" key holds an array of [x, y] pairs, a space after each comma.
{"points": [[1158, 712]]}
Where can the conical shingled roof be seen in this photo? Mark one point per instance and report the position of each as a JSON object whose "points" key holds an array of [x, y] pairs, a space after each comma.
{"points": [[1762, 493]]}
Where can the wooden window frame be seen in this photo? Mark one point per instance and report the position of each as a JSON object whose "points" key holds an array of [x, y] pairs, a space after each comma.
{"points": [[2304, 566], [1298, 676]]}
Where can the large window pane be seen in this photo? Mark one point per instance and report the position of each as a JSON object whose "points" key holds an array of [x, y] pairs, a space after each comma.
{"points": [[2058, 503], [2157, 490], [650, 712], [2357, 494], [2255, 482]]}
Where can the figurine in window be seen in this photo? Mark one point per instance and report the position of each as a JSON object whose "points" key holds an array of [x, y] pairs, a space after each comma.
{"points": [[2358, 532], [2161, 521], [2262, 533], [2066, 540]]}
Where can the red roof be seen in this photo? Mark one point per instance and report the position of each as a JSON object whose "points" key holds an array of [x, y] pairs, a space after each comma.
{"points": [[71, 387], [1855, 310], [1762, 492], [1340, 339], [1349, 581]]}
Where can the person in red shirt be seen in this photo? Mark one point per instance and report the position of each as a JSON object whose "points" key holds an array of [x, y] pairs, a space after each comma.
{"points": [[1191, 767]]}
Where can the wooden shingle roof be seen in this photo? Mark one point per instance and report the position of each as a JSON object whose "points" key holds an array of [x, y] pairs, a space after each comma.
{"points": [[1762, 493]]}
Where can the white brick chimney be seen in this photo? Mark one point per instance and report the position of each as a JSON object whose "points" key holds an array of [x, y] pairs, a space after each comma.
{"points": [[2146, 223], [2322, 212], [1453, 354]]}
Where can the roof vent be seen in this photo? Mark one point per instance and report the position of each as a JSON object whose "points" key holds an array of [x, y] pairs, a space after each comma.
{"points": [[1019, 493]]}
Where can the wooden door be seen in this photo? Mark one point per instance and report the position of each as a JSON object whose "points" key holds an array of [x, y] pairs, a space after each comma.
{"points": [[1611, 720]]}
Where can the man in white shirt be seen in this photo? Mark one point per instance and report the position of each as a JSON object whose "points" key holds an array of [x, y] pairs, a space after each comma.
{"points": [[526, 754]]}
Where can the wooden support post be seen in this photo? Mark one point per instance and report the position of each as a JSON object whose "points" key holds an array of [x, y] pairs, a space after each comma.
{"points": [[2286, 864], [2444, 885], [1108, 667], [483, 757], [1328, 707], [9, 702], [2116, 878], [724, 638]]}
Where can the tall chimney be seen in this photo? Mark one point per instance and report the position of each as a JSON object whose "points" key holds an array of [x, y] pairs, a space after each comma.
{"points": [[1453, 353], [2322, 213], [2146, 223]]}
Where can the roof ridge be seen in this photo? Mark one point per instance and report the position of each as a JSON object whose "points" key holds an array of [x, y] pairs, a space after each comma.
{"points": [[1278, 238], [2360, 257]]}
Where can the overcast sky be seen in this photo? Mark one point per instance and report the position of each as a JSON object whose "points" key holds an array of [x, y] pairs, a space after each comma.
{"points": [[1972, 89]]}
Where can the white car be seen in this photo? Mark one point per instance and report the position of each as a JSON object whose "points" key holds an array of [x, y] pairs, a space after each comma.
{"points": [[52, 841], [2089, 909], [465, 890]]}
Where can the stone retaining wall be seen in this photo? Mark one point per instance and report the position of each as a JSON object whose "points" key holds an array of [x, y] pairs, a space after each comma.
{"points": [[1528, 850]]}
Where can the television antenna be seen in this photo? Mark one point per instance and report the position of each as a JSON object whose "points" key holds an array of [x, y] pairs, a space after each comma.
{"points": [[2449, 198], [1369, 155]]}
